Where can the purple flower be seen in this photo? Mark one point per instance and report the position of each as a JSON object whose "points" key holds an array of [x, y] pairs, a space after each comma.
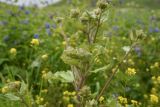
{"points": [[27, 12], [47, 25], [137, 49], [115, 28], [48, 31], [156, 30], [121, 1], [26, 21], [36, 36], [150, 30], [21, 7]]}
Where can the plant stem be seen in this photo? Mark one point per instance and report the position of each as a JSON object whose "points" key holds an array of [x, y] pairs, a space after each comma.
{"points": [[97, 29], [115, 70]]}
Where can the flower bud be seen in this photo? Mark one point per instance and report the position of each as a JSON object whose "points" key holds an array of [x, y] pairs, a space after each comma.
{"points": [[84, 18], [13, 51], [74, 13], [102, 4]]}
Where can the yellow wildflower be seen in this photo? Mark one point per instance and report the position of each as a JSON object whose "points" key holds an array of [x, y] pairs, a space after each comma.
{"points": [[5, 89], [153, 98], [130, 71], [44, 91], [134, 102], [122, 100], [101, 99], [13, 51], [64, 43], [35, 42], [66, 93], [153, 78], [44, 75], [70, 105], [44, 57], [156, 64], [158, 79], [153, 90], [73, 93]]}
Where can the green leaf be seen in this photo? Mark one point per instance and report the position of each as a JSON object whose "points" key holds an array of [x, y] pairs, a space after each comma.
{"points": [[65, 76], [101, 69], [23, 88], [2, 60], [36, 63], [12, 97]]}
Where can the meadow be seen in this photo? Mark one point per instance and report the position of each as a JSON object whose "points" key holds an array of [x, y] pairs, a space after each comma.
{"points": [[80, 53]]}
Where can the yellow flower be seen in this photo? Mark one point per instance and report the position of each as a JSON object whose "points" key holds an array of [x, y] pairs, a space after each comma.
{"points": [[35, 42], [44, 57], [44, 91], [44, 76], [122, 100], [39, 99], [5, 89], [70, 105], [130, 71], [13, 51], [158, 79], [153, 78], [153, 98], [73, 93], [101, 99], [64, 43], [134, 102], [153, 90], [66, 93], [156, 64]]}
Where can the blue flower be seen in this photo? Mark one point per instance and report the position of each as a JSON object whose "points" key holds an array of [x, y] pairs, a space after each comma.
{"points": [[47, 25], [36, 36], [156, 30], [150, 30], [21, 7], [48, 31], [115, 28], [137, 49], [26, 21], [27, 12]]}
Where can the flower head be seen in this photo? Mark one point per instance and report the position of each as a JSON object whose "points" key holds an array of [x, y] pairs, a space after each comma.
{"points": [[70, 105], [130, 71], [153, 98], [101, 99], [35, 42], [13, 51]]}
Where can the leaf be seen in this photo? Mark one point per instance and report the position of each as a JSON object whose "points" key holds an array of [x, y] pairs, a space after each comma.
{"points": [[12, 97], [36, 63], [23, 88], [2, 60], [131, 36], [65, 76], [101, 69]]}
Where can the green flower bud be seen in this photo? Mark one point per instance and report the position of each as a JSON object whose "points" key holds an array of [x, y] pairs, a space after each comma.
{"points": [[97, 11], [84, 18], [102, 4], [74, 13]]}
